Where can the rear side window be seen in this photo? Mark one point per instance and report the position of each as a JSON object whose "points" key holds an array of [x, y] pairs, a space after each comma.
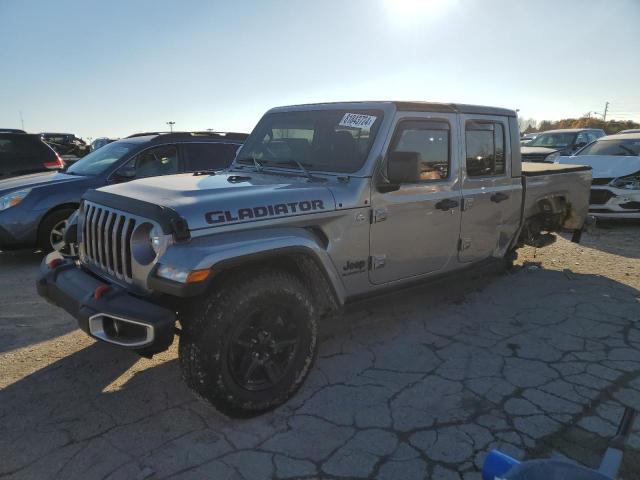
{"points": [[485, 149], [23, 147], [431, 141], [209, 156]]}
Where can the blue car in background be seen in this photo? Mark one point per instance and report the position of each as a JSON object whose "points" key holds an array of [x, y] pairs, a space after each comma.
{"points": [[34, 209]]}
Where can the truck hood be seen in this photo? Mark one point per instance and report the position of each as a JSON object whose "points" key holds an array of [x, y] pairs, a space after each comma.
{"points": [[36, 180], [606, 166], [206, 201]]}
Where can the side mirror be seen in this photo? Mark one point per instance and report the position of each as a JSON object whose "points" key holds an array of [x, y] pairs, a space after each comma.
{"points": [[126, 173], [403, 167]]}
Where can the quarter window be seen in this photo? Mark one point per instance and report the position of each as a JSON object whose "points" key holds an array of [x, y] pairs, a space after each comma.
{"points": [[431, 141], [485, 149]]}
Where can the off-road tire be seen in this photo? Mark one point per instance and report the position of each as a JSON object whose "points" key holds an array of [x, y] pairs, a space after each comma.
{"points": [[209, 324], [46, 226]]}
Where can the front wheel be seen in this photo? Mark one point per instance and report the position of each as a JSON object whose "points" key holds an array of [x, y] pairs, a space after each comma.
{"points": [[52, 228], [249, 345]]}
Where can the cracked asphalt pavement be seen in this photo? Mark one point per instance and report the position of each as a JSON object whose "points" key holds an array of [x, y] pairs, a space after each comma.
{"points": [[418, 384]]}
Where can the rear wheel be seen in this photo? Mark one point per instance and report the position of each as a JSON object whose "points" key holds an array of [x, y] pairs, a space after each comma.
{"points": [[52, 228], [249, 345]]}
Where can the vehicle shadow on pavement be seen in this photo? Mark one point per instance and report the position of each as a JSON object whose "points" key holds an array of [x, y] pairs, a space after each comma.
{"points": [[25, 318], [618, 237], [412, 385]]}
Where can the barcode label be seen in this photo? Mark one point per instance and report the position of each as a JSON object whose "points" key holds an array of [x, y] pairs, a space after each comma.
{"points": [[357, 120]]}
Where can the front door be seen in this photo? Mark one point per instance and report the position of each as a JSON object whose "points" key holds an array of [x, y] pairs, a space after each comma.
{"points": [[487, 187], [415, 228]]}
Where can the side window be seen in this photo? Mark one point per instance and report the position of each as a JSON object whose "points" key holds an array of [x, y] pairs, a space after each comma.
{"points": [[430, 139], [581, 139], [485, 149], [209, 156], [162, 160], [592, 136]]}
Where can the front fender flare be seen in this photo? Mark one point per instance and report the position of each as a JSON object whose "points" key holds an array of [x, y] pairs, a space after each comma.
{"points": [[227, 250]]}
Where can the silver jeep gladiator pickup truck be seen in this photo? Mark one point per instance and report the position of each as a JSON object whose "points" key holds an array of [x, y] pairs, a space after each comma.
{"points": [[323, 204]]}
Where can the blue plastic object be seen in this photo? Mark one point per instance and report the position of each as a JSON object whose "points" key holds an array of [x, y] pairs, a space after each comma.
{"points": [[496, 464]]}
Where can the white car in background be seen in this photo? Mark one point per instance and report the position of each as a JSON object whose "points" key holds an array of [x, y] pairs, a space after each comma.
{"points": [[615, 160]]}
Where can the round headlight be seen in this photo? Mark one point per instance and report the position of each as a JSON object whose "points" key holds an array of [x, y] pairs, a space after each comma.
{"points": [[154, 238], [142, 244]]}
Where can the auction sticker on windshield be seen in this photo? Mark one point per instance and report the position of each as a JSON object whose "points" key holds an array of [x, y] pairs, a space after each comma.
{"points": [[357, 120]]}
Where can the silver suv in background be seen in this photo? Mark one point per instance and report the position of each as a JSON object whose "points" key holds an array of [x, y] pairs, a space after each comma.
{"points": [[550, 145]]}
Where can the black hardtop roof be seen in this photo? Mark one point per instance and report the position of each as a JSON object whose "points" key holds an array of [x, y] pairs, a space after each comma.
{"points": [[454, 108], [414, 106]]}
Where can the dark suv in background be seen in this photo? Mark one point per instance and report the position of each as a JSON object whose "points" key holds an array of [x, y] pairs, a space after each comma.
{"points": [[34, 209], [22, 153], [549, 145], [67, 145]]}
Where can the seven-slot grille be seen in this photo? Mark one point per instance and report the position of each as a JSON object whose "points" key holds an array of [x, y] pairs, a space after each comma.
{"points": [[107, 239]]}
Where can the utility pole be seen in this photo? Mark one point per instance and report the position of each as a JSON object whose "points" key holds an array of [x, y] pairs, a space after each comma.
{"points": [[171, 124], [21, 120], [606, 107]]}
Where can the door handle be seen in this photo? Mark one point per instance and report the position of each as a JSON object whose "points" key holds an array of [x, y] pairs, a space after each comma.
{"points": [[446, 204], [499, 197]]}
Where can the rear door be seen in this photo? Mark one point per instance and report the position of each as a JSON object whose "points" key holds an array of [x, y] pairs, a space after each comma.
{"points": [[487, 187], [208, 156], [415, 228]]}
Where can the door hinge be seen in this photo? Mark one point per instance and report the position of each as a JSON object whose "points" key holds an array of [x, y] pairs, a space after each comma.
{"points": [[379, 215], [377, 261], [464, 244]]}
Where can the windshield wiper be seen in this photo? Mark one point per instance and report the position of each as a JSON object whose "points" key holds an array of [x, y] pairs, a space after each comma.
{"points": [[253, 160], [290, 161]]}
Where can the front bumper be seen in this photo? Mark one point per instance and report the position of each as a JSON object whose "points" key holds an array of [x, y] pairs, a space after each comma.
{"points": [[113, 316], [610, 202], [17, 230]]}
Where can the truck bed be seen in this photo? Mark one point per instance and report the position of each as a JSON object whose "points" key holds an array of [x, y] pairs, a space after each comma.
{"points": [[531, 169], [550, 182]]}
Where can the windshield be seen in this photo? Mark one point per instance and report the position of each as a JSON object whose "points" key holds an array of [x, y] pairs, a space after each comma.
{"points": [[321, 140], [553, 140], [623, 148], [100, 160]]}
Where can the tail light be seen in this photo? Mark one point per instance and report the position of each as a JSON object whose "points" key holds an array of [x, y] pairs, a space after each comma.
{"points": [[56, 164]]}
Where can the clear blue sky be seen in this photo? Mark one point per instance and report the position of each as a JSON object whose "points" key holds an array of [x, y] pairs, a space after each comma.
{"points": [[110, 68]]}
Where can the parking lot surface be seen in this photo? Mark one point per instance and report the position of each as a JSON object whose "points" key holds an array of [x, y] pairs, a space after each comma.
{"points": [[418, 384]]}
